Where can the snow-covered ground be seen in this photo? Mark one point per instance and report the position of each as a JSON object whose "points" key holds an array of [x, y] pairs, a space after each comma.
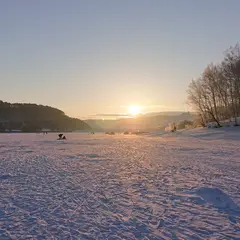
{"points": [[183, 185]]}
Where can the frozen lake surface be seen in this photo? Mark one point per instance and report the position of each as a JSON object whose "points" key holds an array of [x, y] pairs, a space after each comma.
{"points": [[183, 185]]}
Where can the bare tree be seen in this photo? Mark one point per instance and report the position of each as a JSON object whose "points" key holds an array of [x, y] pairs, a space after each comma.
{"points": [[209, 82], [231, 72], [216, 94]]}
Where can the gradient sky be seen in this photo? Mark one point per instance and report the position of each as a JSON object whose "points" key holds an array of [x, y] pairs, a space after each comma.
{"points": [[91, 57]]}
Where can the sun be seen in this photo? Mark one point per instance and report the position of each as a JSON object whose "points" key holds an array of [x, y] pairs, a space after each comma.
{"points": [[134, 110]]}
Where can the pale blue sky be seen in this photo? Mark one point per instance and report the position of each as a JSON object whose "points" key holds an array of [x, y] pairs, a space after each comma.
{"points": [[90, 57]]}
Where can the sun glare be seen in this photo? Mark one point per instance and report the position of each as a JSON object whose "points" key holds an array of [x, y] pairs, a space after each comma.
{"points": [[134, 110]]}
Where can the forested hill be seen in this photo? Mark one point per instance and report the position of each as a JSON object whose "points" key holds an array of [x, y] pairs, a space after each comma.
{"points": [[32, 117]]}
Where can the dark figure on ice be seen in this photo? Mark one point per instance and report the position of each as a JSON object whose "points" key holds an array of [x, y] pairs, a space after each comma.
{"points": [[61, 137]]}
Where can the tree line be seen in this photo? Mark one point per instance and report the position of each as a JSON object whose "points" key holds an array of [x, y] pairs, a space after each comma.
{"points": [[215, 95], [32, 117]]}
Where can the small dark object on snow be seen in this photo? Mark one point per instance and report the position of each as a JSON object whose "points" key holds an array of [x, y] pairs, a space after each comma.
{"points": [[110, 133], [61, 137]]}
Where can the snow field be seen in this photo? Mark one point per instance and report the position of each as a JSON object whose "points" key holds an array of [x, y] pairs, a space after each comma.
{"points": [[184, 185]]}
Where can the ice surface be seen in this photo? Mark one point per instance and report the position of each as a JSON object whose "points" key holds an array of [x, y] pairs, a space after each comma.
{"points": [[183, 185]]}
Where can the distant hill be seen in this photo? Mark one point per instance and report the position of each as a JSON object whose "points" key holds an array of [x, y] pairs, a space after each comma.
{"points": [[167, 113], [150, 121], [32, 117]]}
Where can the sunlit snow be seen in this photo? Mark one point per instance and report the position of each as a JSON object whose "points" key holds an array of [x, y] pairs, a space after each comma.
{"points": [[183, 185]]}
